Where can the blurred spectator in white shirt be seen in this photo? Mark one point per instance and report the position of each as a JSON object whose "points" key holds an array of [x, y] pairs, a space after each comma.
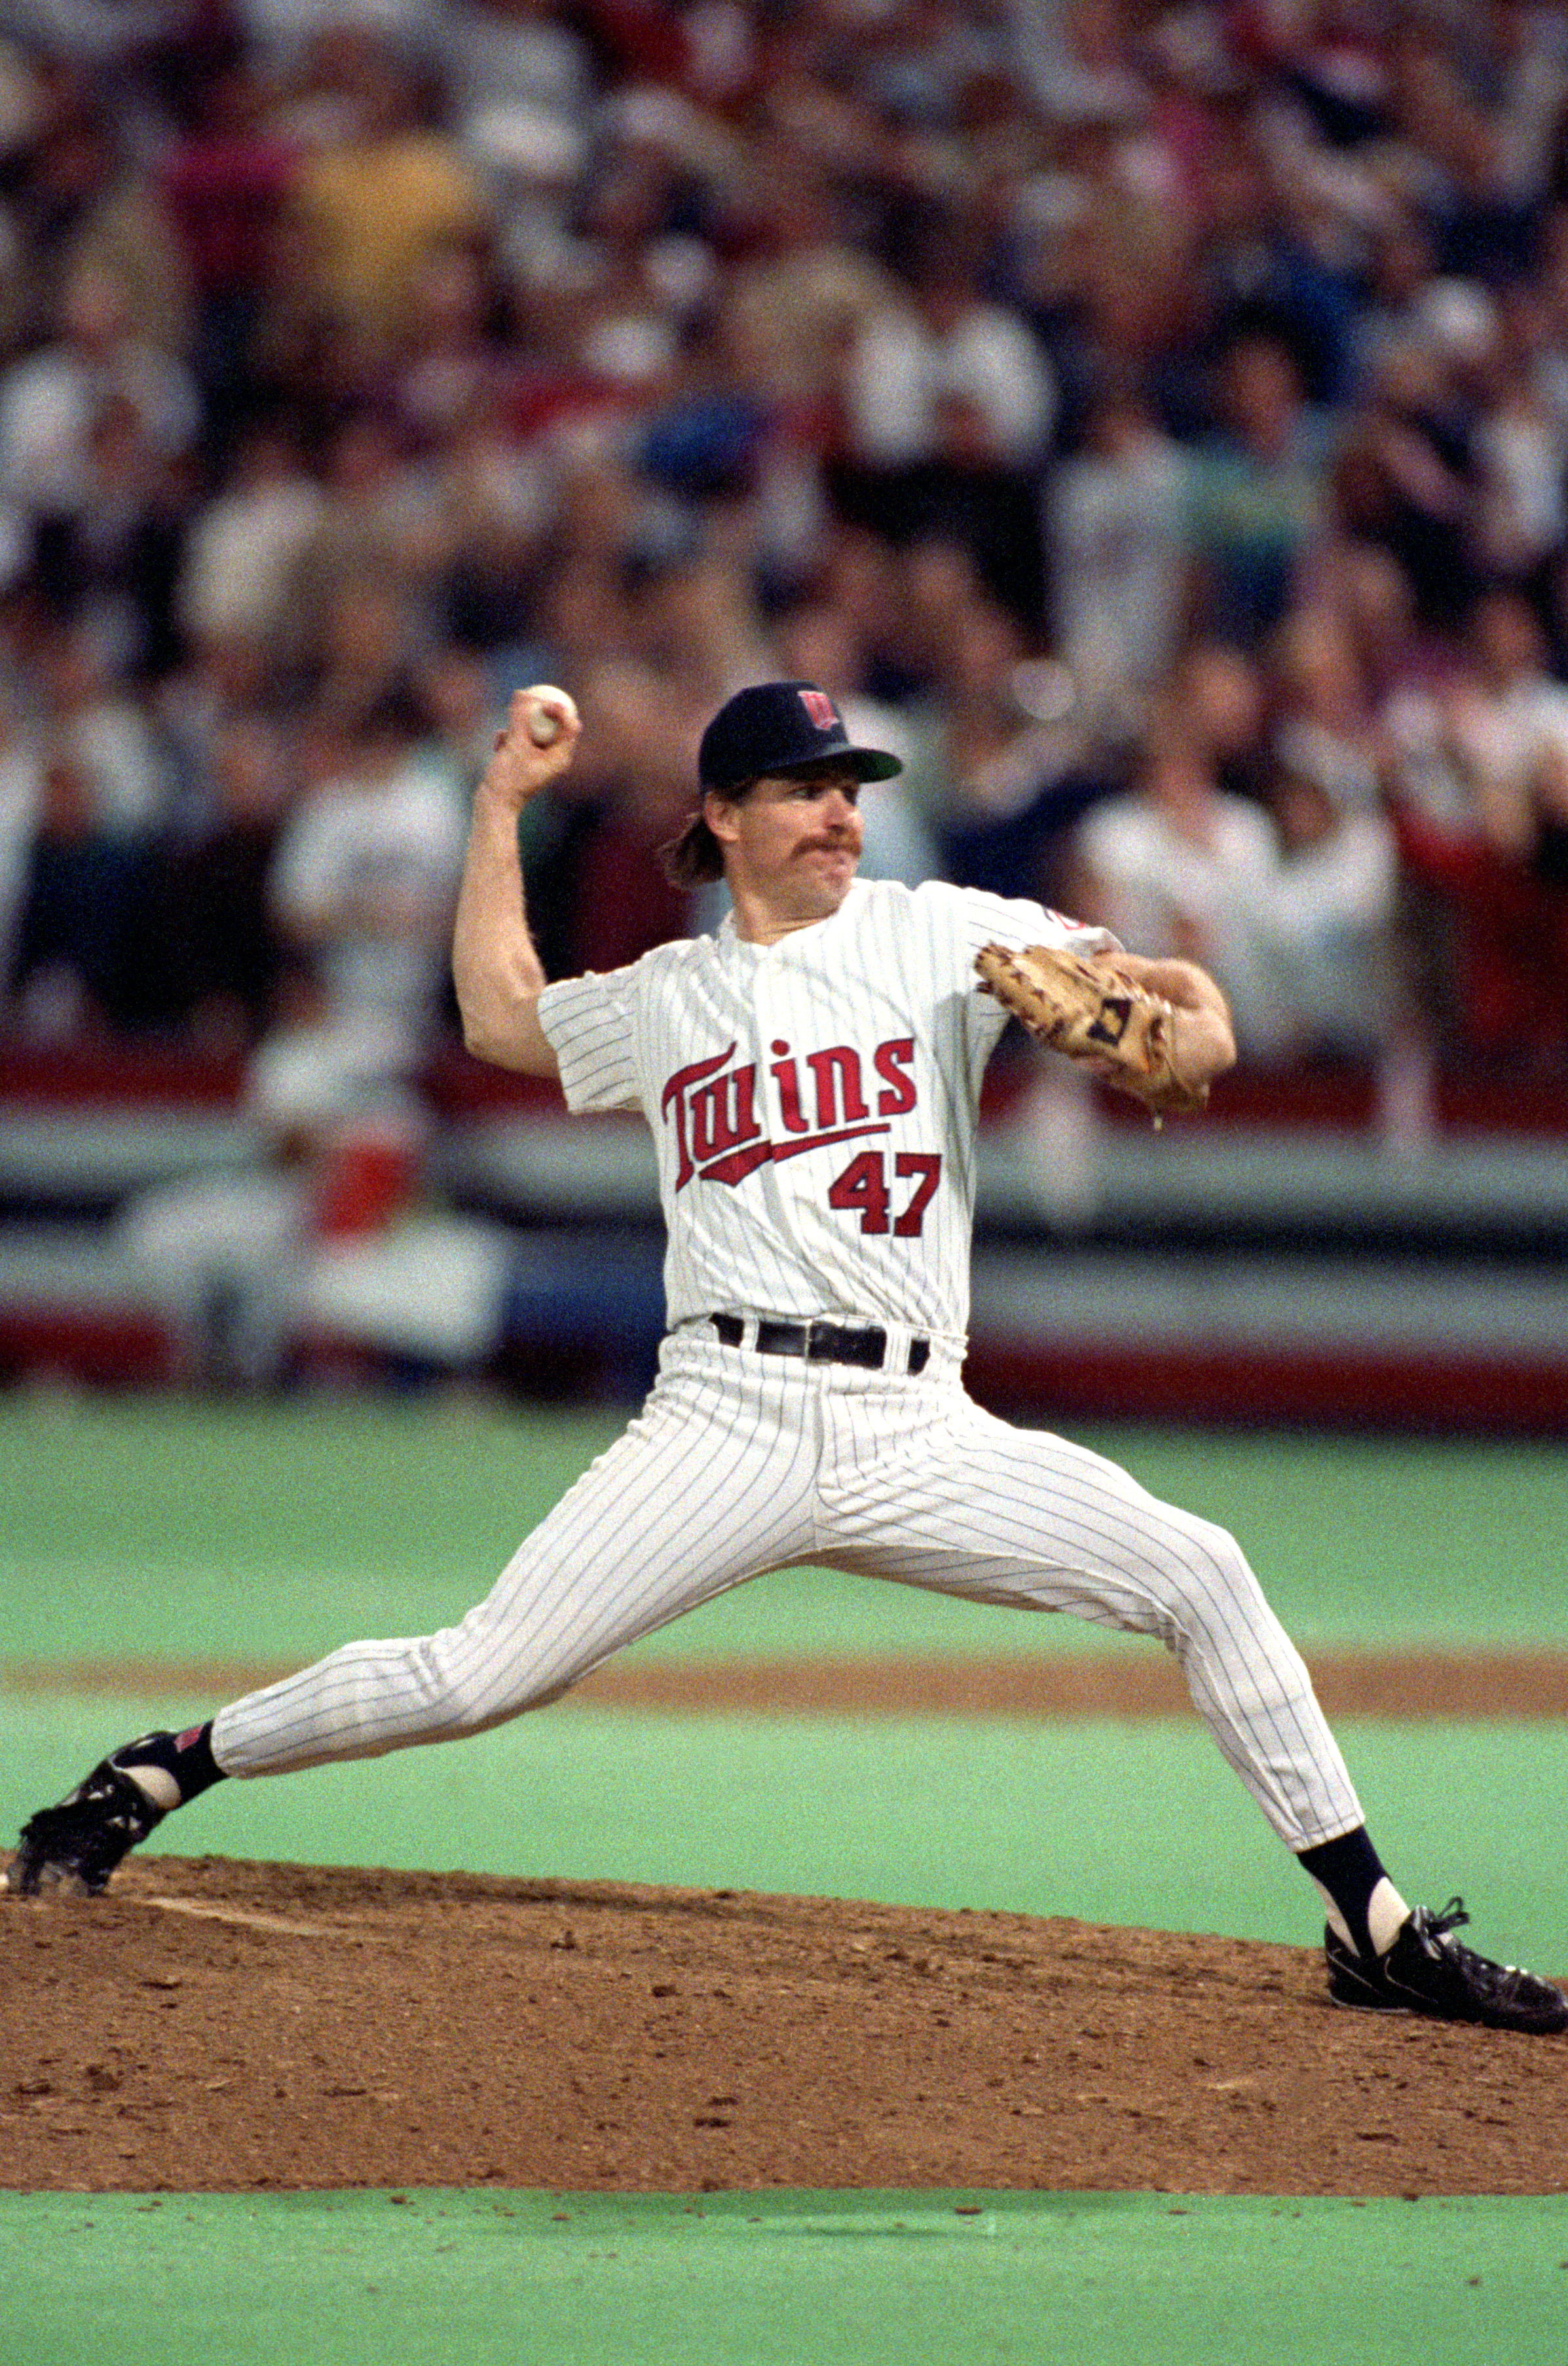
{"points": [[1115, 520], [229, 1258], [509, 66], [1509, 717], [939, 340], [364, 881], [1477, 765], [1179, 863], [246, 542], [95, 721], [1521, 450], [1331, 910]]}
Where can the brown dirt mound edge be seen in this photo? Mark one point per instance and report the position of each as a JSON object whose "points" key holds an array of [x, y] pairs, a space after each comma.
{"points": [[1416, 1684], [212, 2024]]}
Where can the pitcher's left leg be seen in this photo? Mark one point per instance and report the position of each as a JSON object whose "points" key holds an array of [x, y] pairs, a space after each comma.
{"points": [[922, 1486], [961, 1502]]}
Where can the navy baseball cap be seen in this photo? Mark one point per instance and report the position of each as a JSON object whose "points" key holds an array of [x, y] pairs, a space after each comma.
{"points": [[781, 727]]}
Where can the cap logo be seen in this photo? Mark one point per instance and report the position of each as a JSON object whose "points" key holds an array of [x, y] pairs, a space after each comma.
{"points": [[820, 708]]}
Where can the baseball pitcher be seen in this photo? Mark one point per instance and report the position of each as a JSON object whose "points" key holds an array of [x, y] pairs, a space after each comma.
{"points": [[811, 1077]]}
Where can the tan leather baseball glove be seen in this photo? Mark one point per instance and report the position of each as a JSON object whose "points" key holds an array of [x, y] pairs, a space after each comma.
{"points": [[1096, 1013]]}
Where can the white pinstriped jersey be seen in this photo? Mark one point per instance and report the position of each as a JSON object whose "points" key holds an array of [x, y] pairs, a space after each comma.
{"points": [[813, 1102]]}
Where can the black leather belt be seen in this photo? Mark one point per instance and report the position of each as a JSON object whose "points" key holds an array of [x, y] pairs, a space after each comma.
{"points": [[819, 1343]]}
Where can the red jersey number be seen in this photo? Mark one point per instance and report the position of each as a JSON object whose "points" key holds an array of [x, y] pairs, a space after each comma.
{"points": [[863, 1189]]}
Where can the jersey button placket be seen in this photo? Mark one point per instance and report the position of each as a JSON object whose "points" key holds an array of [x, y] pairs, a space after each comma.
{"points": [[774, 1044]]}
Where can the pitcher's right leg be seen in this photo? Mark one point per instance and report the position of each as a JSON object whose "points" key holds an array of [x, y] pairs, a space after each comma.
{"points": [[713, 1484]]}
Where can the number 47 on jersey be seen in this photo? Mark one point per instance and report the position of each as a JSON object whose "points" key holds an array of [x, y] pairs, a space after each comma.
{"points": [[863, 1188]]}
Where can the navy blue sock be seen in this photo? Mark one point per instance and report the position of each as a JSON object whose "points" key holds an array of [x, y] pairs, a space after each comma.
{"points": [[187, 1758], [1348, 1870]]}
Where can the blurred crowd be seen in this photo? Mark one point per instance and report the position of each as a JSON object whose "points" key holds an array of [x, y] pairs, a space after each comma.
{"points": [[1152, 421]]}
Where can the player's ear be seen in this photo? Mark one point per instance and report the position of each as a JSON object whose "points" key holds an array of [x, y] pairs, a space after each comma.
{"points": [[721, 815]]}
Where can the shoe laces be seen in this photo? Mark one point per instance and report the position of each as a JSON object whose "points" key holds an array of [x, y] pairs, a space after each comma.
{"points": [[1437, 1923], [1501, 1979]]}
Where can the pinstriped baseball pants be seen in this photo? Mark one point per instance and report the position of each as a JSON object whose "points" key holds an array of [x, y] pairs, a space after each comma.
{"points": [[741, 1463]]}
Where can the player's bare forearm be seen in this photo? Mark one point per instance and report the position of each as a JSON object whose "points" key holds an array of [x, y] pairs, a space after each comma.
{"points": [[495, 966], [1205, 1037]]}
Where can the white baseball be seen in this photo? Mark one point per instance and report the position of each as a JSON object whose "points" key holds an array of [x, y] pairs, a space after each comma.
{"points": [[544, 722]]}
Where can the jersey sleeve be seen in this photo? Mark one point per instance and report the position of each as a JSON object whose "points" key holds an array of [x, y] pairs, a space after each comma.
{"points": [[1013, 920], [590, 1023]]}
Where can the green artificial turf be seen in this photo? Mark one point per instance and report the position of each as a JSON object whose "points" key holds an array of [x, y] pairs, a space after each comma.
{"points": [[778, 2279], [154, 1526]]}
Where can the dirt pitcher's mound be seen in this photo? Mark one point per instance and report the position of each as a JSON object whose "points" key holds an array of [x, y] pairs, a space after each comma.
{"points": [[219, 2024]]}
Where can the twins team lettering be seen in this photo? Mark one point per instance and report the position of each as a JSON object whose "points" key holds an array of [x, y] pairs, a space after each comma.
{"points": [[818, 1097]]}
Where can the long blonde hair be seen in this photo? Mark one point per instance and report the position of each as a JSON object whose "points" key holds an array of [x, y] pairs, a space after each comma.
{"points": [[695, 857]]}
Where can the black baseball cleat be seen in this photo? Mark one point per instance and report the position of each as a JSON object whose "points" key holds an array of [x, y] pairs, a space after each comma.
{"points": [[1427, 1971], [77, 1845]]}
